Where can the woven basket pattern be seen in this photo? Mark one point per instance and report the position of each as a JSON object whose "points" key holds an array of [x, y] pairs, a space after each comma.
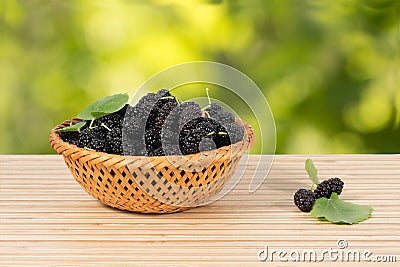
{"points": [[150, 184]]}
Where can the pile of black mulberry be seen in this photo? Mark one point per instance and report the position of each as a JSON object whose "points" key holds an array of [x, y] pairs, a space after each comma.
{"points": [[159, 125], [304, 199]]}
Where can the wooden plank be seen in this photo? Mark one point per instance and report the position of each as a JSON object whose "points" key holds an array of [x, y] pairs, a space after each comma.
{"points": [[47, 219]]}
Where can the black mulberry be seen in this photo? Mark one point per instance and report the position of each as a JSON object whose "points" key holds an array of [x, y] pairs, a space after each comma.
{"points": [[327, 187], [304, 199]]}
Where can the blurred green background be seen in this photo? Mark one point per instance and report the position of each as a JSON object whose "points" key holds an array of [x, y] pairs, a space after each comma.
{"points": [[329, 69]]}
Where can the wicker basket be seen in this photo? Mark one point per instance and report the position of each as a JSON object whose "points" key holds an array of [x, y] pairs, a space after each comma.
{"points": [[150, 184]]}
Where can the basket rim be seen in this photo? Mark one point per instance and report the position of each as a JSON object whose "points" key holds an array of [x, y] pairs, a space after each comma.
{"points": [[61, 147]]}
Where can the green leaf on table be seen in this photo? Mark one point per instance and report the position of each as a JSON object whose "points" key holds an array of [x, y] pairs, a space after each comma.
{"points": [[104, 106], [72, 127], [336, 210], [312, 171]]}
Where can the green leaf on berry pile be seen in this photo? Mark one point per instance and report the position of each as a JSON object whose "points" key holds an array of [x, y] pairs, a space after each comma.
{"points": [[104, 106], [99, 114], [336, 210], [72, 127], [312, 171]]}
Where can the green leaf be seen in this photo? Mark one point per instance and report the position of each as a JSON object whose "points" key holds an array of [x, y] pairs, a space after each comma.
{"points": [[336, 210], [104, 106], [312, 171], [98, 114], [72, 127], [86, 113]]}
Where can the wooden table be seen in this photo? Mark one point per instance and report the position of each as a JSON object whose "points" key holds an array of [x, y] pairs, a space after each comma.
{"points": [[47, 219]]}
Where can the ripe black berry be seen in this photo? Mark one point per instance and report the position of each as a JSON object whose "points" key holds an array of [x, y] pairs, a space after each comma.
{"points": [[304, 199], [327, 187], [235, 132], [70, 137], [164, 96], [85, 138], [186, 112], [155, 152], [160, 114], [152, 139], [194, 132], [114, 141], [98, 145], [112, 120], [220, 115]]}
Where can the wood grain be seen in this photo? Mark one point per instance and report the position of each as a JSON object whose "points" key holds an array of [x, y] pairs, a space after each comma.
{"points": [[46, 219]]}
